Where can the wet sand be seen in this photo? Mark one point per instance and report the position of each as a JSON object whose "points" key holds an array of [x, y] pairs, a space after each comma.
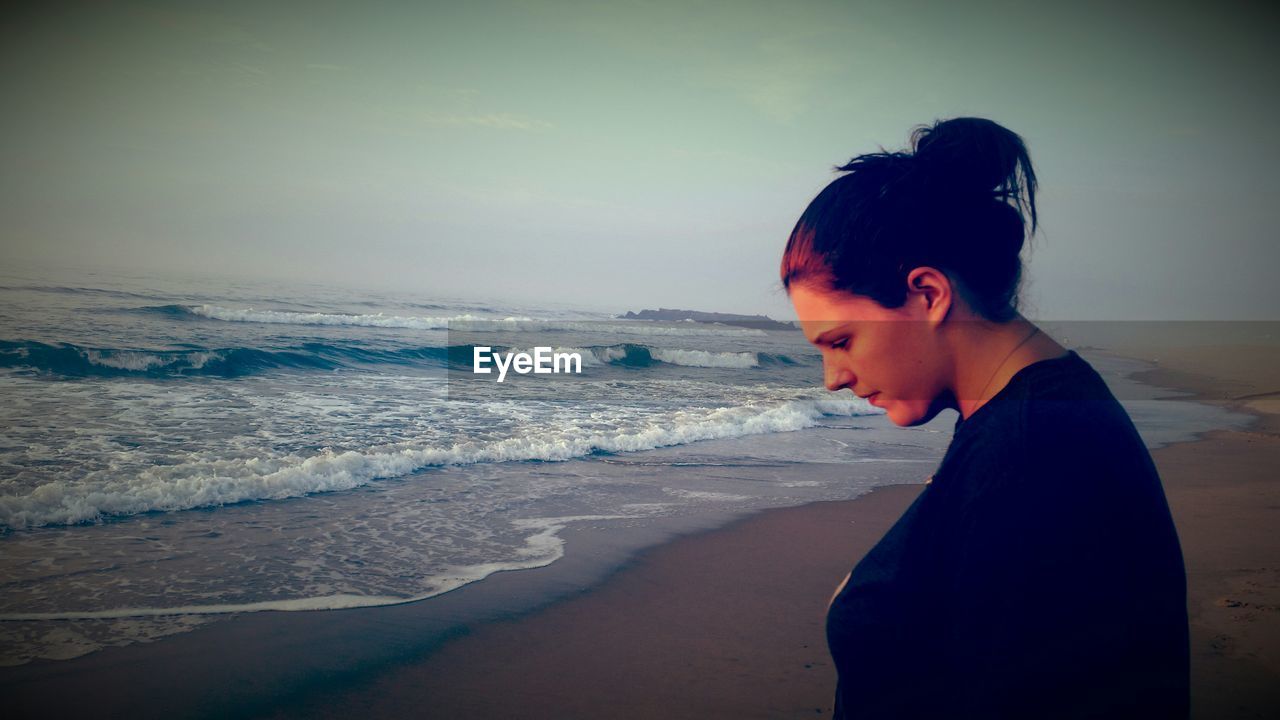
{"points": [[727, 623]]}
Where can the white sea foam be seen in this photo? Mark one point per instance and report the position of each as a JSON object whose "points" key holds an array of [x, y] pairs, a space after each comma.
{"points": [[610, 353], [217, 312], [138, 361], [204, 483], [467, 322], [705, 359], [704, 495], [543, 546]]}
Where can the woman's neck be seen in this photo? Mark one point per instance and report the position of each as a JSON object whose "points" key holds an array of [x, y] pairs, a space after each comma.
{"points": [[990, 354]]}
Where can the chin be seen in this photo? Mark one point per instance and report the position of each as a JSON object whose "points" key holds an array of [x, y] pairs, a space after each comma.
{"points": [[904, 414], [910, 421]]}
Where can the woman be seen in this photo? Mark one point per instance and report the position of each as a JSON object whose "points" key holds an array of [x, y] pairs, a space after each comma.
{"points": [[1039, 573]]}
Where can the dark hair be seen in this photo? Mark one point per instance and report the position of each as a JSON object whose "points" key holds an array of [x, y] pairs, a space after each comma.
{"points": [[956, 200]]}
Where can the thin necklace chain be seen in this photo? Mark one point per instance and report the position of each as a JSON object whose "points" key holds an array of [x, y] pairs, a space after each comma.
{"points": [[1025, 340]]}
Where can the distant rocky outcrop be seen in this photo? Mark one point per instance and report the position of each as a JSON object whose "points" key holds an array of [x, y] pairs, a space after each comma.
{"points": [[759, 322]]}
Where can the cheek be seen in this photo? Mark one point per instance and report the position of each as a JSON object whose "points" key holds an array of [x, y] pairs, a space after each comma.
{"points": [[915, 353], [913, 370]]}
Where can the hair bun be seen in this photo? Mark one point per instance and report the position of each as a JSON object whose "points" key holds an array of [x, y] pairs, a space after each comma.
{"points": [[971, 154]]}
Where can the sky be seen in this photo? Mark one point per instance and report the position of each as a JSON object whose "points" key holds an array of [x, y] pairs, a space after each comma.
{"points": [[622, 155]]}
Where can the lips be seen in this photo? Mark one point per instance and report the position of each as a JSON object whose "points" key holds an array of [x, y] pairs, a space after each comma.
{"points": [[871, 399]]}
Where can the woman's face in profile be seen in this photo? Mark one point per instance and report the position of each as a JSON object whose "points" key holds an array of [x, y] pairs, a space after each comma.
{"points": [[888, 355]]}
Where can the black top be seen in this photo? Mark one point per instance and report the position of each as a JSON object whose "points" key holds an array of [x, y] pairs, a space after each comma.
{"points": [[1037, 576]]}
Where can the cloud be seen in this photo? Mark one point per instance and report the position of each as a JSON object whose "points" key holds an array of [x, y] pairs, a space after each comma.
{"points": [[250, 69], [496, 121], [778, 77], [779, 60]]}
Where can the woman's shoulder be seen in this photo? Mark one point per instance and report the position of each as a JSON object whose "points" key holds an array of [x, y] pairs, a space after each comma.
{"points": [[1051, 399], [1077, 440], [1056, 418], [1066, 404], [1041, 402]]}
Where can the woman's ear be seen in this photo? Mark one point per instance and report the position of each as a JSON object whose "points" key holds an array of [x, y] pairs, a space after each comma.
{"points": [[931, 291]]}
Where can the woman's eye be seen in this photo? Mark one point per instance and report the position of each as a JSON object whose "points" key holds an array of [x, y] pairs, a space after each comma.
{"points": [[840, 344]]}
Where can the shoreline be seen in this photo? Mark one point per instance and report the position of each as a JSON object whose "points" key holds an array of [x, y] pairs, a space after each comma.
{"points": [[253, 664], [1225, 498], [722, 620], [709, 604]]}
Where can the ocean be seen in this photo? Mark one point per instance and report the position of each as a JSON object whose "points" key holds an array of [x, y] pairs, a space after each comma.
{"points": [[179, 451]]}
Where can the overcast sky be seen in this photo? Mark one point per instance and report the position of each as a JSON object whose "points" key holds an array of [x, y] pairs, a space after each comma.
{"points": [[618, 155]]}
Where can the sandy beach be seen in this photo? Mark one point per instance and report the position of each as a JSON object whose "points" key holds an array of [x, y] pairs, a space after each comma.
{"points": [[1225, 498], [723, 624], [720, 623]]}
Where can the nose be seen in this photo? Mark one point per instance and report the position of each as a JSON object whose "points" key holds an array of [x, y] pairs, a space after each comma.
{"points": [[836, 377]]}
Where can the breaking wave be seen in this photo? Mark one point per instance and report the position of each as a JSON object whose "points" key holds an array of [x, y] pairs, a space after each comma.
{"points": [[465, 322], [69, 360], [208, 483]]}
